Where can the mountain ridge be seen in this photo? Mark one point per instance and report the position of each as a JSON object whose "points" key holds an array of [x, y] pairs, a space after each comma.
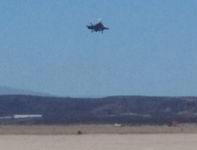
{"points": [[4, 90], [128, 110]]}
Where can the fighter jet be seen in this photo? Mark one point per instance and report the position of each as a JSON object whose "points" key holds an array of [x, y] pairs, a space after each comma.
{"points": [[98, 27]]}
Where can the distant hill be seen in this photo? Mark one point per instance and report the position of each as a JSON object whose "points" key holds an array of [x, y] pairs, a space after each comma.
{"points": [[128, 110], [11, 91]]}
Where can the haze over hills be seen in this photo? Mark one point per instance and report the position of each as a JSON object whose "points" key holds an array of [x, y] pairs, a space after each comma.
{"points": [[12, 91]]}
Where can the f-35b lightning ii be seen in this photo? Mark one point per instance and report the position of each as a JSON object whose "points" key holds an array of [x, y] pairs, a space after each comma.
{"points": [[98, 27]]}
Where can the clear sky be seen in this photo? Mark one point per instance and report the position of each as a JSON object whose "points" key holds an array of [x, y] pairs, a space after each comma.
{"points": [[150, 48]]}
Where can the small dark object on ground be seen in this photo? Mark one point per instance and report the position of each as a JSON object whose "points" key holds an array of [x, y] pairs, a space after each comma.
{"points": [[79, 132]]}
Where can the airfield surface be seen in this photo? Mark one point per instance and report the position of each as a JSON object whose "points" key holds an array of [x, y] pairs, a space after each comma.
{"points": [[95, 129], [99, 137], [100, 142]]}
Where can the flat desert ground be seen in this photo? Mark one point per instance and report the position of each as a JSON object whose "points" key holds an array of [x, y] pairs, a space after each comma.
{"points": [[98, 137]]}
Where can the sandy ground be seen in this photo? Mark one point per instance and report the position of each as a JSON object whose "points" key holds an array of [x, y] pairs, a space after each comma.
{"points": [[98, 137], [95, 129], [100, 142]]}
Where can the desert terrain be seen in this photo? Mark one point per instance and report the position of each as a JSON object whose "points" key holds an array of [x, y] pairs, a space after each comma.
{"points": [[110, 123], [96, 129], [100, 142], [98, 137]]}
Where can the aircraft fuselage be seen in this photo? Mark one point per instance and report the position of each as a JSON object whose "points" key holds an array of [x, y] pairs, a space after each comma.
{"points": [[98, 27]]}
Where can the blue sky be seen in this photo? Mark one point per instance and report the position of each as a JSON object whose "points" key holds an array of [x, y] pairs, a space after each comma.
{"points": [[150, 48]]}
